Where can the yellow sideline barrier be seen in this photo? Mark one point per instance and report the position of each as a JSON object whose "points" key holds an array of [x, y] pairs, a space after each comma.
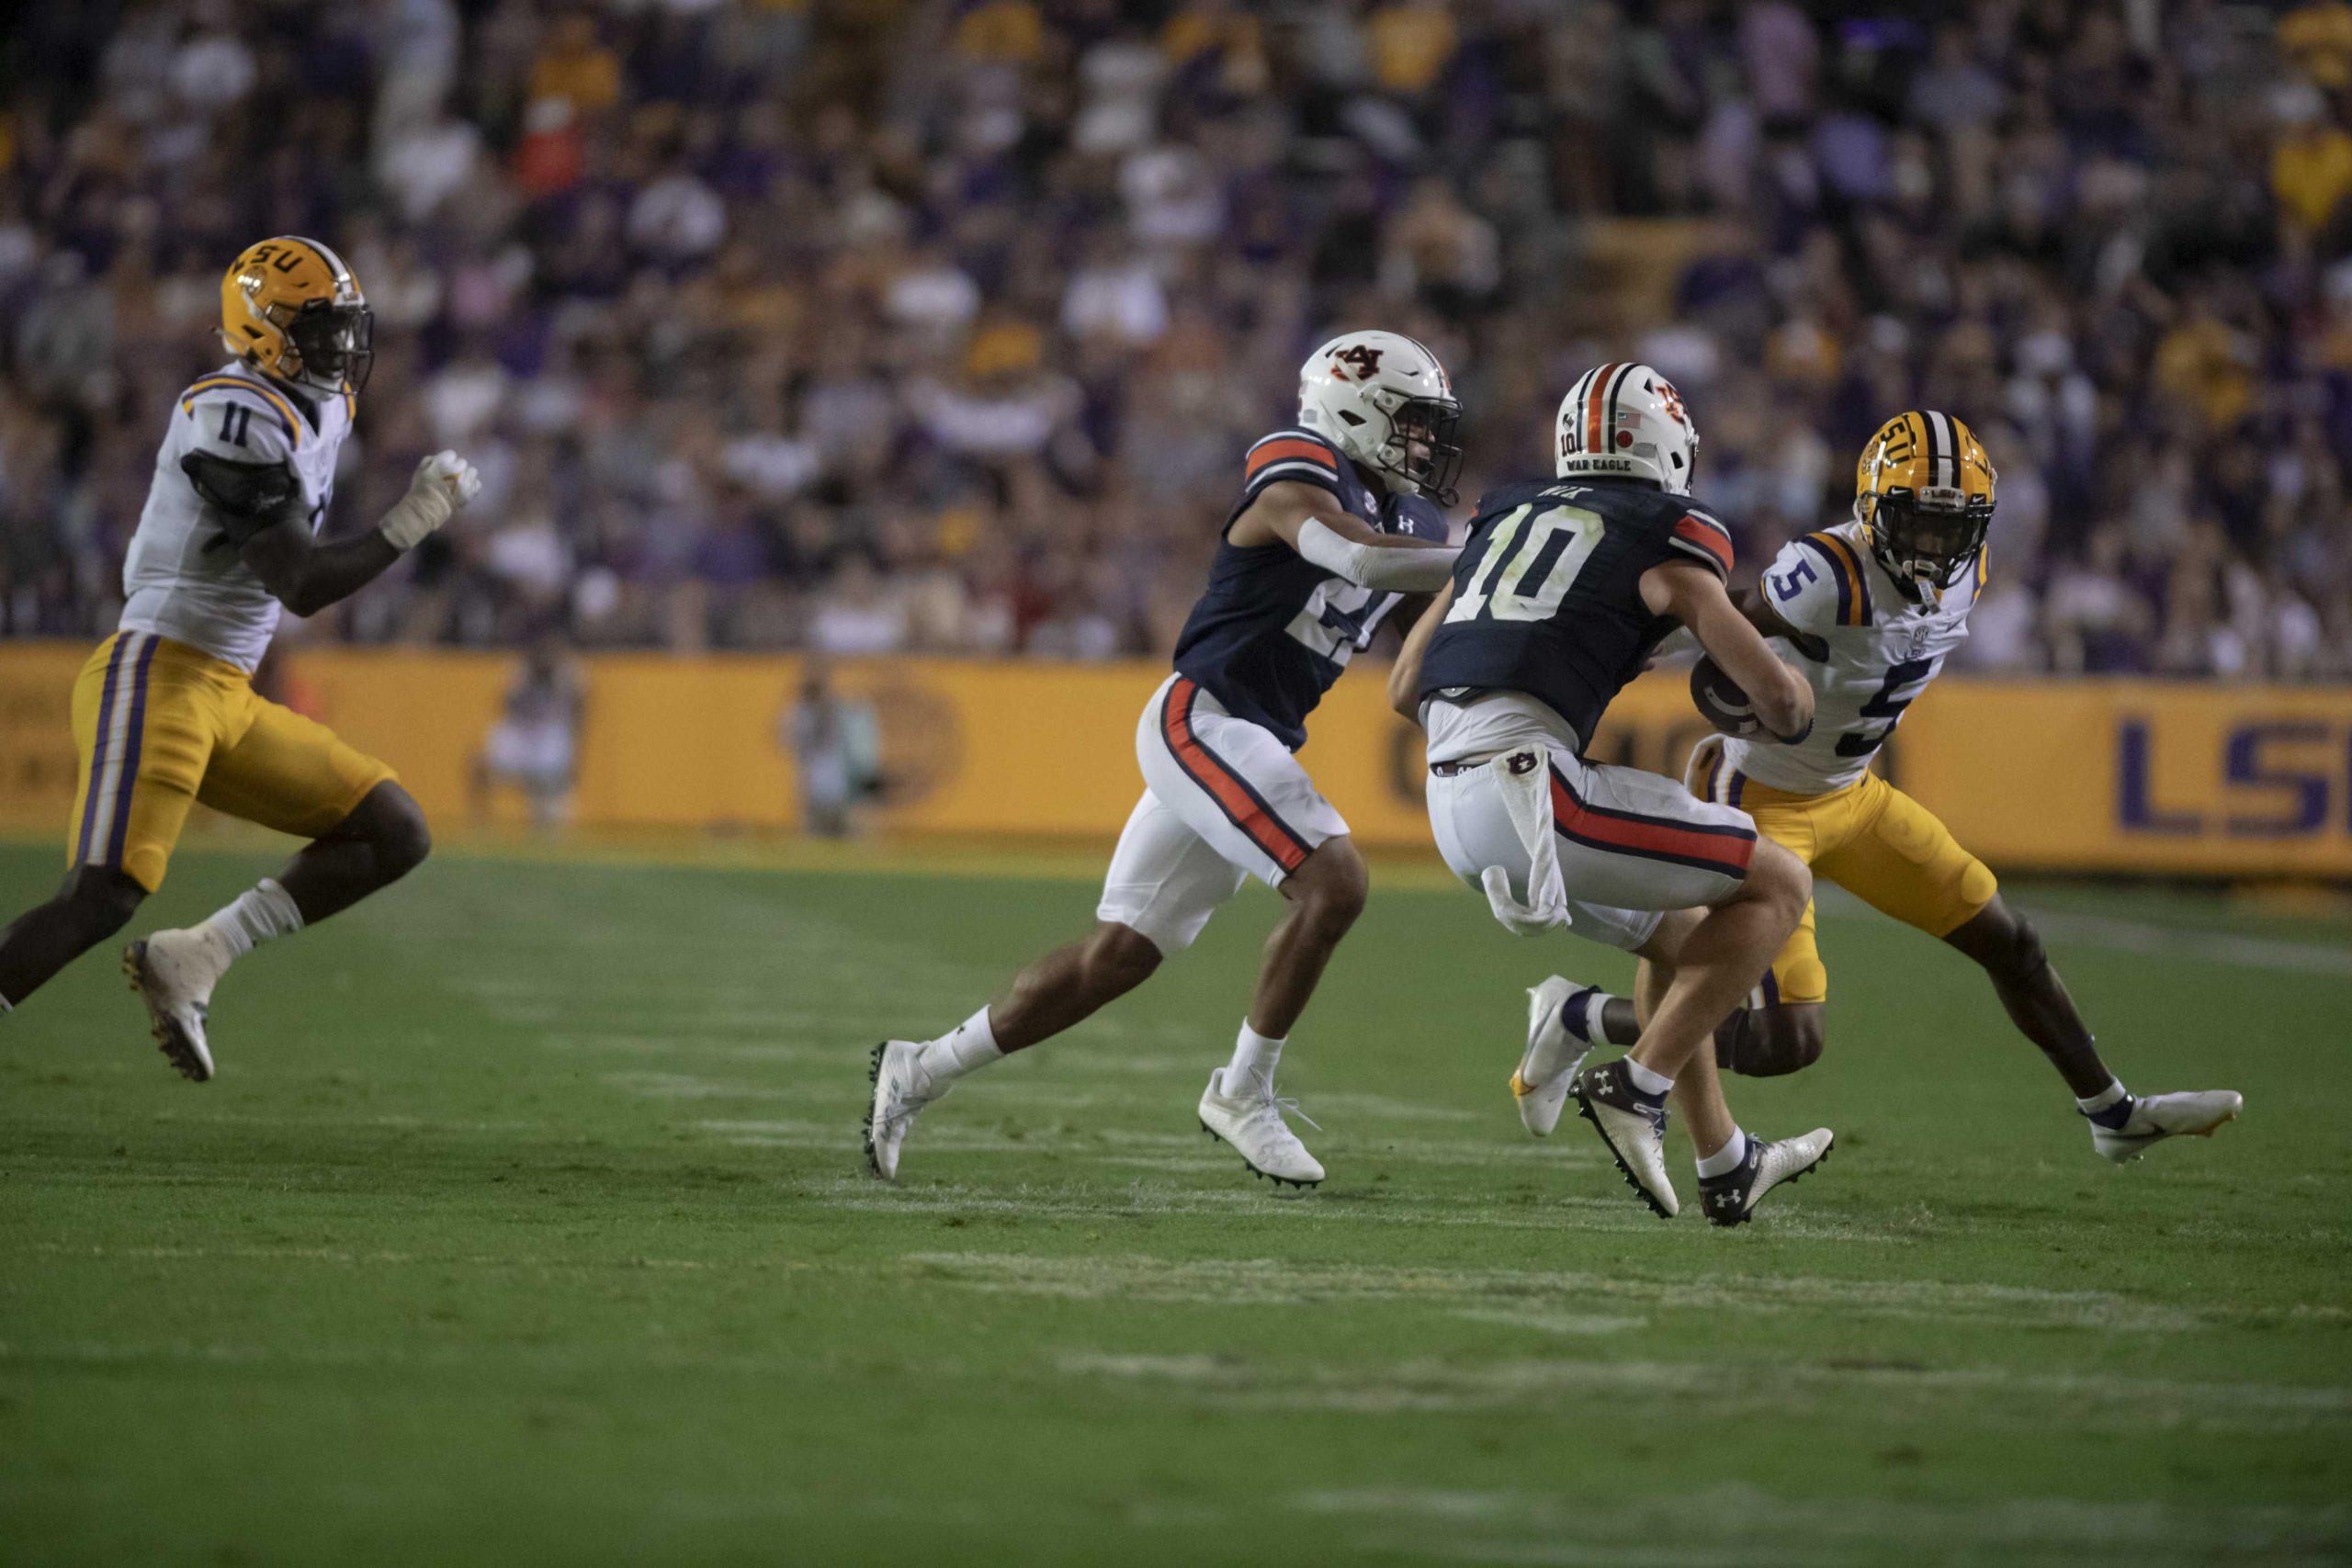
{"points": [[2089, 776]]}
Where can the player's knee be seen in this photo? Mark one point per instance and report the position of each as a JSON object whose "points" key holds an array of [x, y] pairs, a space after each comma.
{"points": [[1332, 888], [99, 902], [1778, 878], [2019, 955], [1779, 1040], [396, 827], [1117, 959]]}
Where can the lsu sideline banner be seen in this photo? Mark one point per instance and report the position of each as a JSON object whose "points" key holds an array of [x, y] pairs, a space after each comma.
{"points": [[2130, 776]]}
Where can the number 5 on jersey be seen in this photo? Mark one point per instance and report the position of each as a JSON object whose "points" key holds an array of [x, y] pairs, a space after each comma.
{"points": [[1532, 558]]}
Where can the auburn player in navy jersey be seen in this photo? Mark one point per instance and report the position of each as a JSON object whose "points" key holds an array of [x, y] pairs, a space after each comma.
{"points": [[1337, 521], [1561, 591]]}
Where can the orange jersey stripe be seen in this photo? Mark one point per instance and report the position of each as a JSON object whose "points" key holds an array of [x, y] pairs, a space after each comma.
{"points": [[1292, 450], [1709, 539], [1240, 806], [1721, 852]]}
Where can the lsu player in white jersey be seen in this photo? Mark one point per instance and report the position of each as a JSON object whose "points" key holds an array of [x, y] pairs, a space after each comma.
{"points": [[1872, 607], [165, 713]]}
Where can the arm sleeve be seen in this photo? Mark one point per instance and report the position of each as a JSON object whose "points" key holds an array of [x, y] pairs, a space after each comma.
{"points": [[1801, 586], [1423, 570], [243, 498]]}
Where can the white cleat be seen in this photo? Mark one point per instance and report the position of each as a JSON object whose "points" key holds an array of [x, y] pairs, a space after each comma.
{"points": [[1633, 1125], [1731, 1199], [2155, 1117], [1541, 1082], [1254, 1125], [173, 973], [901, 1089]]}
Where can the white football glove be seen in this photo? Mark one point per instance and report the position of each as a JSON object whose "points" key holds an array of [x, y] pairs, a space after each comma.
{"points": [[444, 482]]}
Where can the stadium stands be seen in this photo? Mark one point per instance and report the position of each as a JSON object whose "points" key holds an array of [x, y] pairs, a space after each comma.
{"points": [[879, 326]]}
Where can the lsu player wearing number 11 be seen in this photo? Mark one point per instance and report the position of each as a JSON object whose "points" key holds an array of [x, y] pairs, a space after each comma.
{"points": [[165, 713], [1872, 607]]}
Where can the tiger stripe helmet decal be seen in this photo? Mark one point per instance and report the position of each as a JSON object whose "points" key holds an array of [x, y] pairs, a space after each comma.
{"points": [[1924, 494]]}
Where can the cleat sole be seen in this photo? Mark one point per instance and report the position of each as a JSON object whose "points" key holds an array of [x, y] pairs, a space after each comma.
{"points": [[866, 1128], [1209, 1132]]}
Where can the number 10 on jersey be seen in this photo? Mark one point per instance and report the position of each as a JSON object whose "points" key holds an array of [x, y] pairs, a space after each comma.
{"points": [[1531, 559]]}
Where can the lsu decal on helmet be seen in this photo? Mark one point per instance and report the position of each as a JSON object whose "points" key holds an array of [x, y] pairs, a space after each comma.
{"points": [[1626, 421], [1924, 493], [291, 309], [1385, 402]]}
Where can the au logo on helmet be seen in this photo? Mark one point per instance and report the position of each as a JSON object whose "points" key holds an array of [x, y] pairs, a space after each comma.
{"points": [[1385, 402]]}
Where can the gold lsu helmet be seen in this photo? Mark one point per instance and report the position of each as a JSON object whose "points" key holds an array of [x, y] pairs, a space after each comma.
{"points": [[1922, 492], [290, 307]]}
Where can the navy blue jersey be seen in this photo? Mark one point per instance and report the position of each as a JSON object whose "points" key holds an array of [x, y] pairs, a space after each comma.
{"points": [[1274, 630], [1547, 596]]}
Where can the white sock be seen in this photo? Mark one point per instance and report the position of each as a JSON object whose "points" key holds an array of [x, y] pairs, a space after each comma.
{"points": [[1646, 1080], [260, 912], [1253, 1067], [1734, 1149], [971, 1043]]}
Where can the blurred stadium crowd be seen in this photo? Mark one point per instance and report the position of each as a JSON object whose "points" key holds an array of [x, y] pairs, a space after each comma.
{"points": [[877, 324]]}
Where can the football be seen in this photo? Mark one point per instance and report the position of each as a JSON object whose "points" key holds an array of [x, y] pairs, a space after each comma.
{"points": [[1721, 702]]}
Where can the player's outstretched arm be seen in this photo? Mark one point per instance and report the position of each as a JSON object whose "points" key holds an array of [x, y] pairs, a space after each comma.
{"points": [[1311, 521], [1404, 675], [307, 574], [1695, 597]]}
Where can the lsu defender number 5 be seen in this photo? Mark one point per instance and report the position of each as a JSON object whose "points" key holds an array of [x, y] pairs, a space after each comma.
{"points": [[1871, 608]]}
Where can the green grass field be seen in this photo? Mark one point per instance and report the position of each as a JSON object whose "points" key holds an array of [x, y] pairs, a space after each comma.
{"points": [[526, 1224]]}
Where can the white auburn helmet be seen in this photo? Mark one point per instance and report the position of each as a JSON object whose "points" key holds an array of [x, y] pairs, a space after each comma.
{"points": [[1385, 402], [1626, 421]]}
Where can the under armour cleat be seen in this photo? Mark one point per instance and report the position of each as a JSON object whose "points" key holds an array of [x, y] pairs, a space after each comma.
{"points": [[901, 1089], [1549, 1067], [1633, 1126], [1731, 1199], [2155, 1117], [173, 973], [1254, 1125]]}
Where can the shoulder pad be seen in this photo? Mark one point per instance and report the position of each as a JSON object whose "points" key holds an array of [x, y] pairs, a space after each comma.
{"points": [[1697, 536], [241, 420], [1816, 584], [1297, 455]]}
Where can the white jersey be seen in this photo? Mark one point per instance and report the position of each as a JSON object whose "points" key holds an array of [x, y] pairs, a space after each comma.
{"points": [[184, 578], [1868, 650]]}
